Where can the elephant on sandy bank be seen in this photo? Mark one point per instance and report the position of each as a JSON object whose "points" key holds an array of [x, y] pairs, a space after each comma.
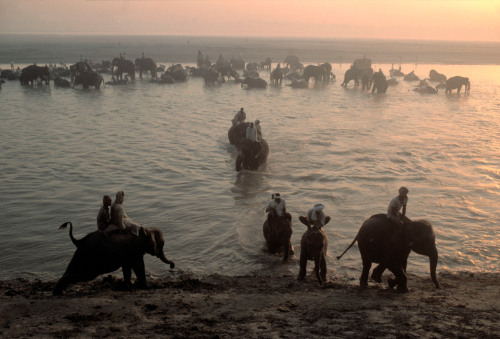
{"points": [[251, 154], [278, 235], [104, 252], [457, 82], [313, 246], [380, 241]]}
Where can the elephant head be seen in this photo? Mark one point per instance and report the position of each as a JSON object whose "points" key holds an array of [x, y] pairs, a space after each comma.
{"points": [[423, 241], [155, 243], [313, 246], [251, 154], [278, 235]]}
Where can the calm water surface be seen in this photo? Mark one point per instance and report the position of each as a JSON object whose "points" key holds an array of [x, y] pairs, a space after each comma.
{"points": [[166, 146]]}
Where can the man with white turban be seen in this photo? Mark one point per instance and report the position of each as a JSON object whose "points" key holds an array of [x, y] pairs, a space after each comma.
{"points": [[118, 216], [315, 216]]}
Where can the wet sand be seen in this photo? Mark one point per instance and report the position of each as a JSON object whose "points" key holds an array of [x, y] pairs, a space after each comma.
{"points": [[186, 306]]}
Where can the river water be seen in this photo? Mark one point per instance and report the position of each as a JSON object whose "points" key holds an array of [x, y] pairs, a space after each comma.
{"points": [[166, 146]]}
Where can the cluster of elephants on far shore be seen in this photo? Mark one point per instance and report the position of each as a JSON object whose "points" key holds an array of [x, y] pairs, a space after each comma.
{"points": [[297, 75], [379, 239]]}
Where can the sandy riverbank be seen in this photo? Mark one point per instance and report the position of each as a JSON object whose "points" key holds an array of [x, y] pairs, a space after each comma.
{"points": [[188, 306]]}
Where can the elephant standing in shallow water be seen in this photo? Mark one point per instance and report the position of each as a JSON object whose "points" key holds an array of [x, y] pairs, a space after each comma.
{"points": [[33, 72], [319, 73], [251, 154], [123, 66], [87, 79], [457, 82], [104, 252], [278, 235], [146, 65], [313, 246], [380, 241]]}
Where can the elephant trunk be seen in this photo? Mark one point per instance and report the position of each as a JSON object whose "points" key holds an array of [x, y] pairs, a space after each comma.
{"points": [[162, 257], [433, 259]]}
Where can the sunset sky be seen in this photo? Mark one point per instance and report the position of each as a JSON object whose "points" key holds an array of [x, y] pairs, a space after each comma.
{"points": [[476, 20]]}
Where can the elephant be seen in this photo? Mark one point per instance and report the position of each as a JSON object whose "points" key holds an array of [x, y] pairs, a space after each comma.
{"points": [[123, 66], [177, 72], [278, 235], [276, 76], [411, 77], [313, 246], [299, 84], [380, 241], [251, 154], [166, 79], [380, 83], [228, 71], [144, 65], [424, 88], [437, 77], [87, 79], [237, 133], [30, 73], [351, 74], [313, 71], [210, 77], [79, 68], [457, 82], [327, 72], [104, 252], [202, 61], [60, 82], [9, 74], [254, 83]]}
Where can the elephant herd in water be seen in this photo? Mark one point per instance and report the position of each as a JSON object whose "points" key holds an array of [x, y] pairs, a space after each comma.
{"points": [[379, 239], [87, 74]]}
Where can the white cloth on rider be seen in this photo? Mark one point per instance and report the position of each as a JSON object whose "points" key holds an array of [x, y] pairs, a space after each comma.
{"points": [[121, 220], [251, 132], [280, 207], [395, 205], [316, 214], [259, 131]]}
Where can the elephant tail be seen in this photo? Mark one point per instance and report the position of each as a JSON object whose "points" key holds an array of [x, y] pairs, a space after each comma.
{"points": [[63, 226], [347, 249]]}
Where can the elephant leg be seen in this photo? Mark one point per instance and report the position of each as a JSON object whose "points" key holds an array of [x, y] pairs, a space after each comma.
{"points": [[292, 250], [401, 279], [303, 266], [363, 280], [316, 270], [140, 273], [322, 267], [377, 273], [287, 251], [127, 274], [72, 278]]}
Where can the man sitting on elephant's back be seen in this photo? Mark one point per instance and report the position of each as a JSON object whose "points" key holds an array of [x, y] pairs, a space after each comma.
{"points": [[315, 216], [119, 218], [103, 217], [276, 208], [395, 205], [239, 117]]}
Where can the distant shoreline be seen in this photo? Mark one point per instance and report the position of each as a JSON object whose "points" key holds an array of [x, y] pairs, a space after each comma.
{"points": [[47, 48]]}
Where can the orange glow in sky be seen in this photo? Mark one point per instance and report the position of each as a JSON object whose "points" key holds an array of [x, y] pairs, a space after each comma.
{"points": [[475, 20]]}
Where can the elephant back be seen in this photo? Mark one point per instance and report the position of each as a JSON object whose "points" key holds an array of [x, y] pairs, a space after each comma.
{"points": [[237, 133]]}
